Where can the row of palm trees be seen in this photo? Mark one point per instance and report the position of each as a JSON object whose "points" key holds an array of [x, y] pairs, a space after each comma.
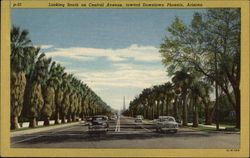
{"points": [[186, 92], [41, 88]]}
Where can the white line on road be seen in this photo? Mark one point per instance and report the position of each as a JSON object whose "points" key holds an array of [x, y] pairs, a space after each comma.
{"points": [[118, 126]]}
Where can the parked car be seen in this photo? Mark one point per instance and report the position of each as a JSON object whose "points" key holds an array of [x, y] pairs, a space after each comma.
{"points": [[99, 124], [166, 124], [139, 118]]}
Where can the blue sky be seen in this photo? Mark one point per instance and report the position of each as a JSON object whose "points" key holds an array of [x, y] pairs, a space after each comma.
{"points": [[114, 51]]}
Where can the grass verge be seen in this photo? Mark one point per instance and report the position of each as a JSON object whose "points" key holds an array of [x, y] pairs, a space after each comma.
{"points": [[38, 127]]}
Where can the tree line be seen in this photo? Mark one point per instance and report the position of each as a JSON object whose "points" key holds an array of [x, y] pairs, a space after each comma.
{"points": [[41, 88], [201, 58]]}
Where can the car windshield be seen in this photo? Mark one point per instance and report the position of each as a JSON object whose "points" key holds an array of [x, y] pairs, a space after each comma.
{"points": [[166, 119]]}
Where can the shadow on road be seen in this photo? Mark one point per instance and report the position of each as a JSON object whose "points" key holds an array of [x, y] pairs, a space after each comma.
{"points": [[76, 136]]}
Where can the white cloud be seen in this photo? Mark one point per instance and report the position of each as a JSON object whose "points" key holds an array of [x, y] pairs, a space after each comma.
{"points": [[45, 46], [138, 53], [124, 78]]}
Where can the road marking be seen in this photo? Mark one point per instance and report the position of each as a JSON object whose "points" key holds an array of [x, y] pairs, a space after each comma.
{"points": [[138, 124], [118, 126], [145, 128]]}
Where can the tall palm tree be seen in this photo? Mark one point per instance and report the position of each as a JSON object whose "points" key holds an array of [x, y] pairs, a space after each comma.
{"points": [[38, 79], [66, 87], [169, 95], [59, 71], [156, 94], [195, 95], [21, 57], [182, 80]]}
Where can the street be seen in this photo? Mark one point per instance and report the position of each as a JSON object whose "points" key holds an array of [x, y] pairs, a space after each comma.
{"points": [[125, 133]]}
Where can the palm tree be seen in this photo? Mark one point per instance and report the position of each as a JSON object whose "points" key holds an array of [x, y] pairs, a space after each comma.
{"points": [[59, 71], [49, 102], [85, 93], [156, 94], [169, 95], [66, 87], [21, 57], [182, 80], [195, 95], [38, 79]]}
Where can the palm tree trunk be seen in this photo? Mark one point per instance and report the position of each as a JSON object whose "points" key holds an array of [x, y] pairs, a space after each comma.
{"points": [[74, 117], [57, 117], [162, 107], [33, 122], [63, 118], [167, 106], [14, 122], [158, 108], [82, 116], [153, 112], [46, 121], [69, 118], [176, 107], [195, 113], [185, 111]]}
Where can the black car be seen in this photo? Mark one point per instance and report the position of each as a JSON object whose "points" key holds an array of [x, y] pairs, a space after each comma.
{"points": [[99, 124]]}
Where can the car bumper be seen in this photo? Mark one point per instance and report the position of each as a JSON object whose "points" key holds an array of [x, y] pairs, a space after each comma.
{"points": [[169, 129], [138, 120]]}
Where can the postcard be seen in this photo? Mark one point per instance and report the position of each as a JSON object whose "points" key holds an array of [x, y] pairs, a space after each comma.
{"points": [[134, 78]]}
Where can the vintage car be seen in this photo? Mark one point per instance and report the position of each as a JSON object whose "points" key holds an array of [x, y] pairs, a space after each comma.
{"points": [[99, 124], [166, 124], [139, 118], [112, 118]]}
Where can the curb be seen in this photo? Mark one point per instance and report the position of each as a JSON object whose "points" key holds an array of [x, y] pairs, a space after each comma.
{"points": [[35, 130]]}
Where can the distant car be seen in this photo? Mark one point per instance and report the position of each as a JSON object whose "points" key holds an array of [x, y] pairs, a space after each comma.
{"points": [[112, 118], [99, 124], [166, 124], [139, 118]]}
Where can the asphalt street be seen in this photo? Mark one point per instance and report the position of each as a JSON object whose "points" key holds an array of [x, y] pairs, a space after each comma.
{"points": [[125, 133]]}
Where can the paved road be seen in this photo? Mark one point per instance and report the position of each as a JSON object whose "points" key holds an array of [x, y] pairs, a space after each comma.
{"points": [[125, 133]]}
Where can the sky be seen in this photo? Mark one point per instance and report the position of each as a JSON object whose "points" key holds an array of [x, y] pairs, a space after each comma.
{"points": [[114, 51]]}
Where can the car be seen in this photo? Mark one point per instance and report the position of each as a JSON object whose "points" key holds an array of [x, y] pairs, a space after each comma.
{"points": [[139, 118], [99, 123], [88, 120], [112, 118], [166, 124]]}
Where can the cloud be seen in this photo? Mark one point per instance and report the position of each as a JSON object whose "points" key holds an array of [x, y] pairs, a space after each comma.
{"points": [[45, 46], [124, 78], [122, 72], [135, 52]]}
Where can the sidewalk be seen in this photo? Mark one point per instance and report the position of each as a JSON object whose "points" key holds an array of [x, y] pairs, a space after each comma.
{"points": [[210, 126], [40, 129]]}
